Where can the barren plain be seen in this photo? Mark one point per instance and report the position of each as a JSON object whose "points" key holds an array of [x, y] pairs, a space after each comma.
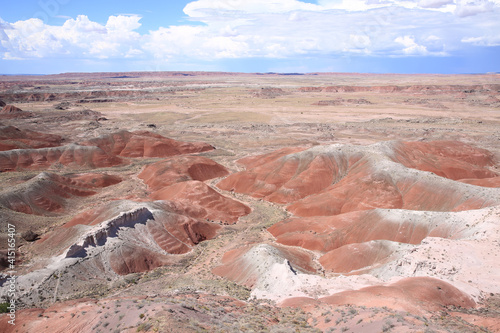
{"points": [[231, 202]]}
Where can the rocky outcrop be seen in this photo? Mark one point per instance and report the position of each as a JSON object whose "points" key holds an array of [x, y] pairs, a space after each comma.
{"points": [[100, 234], [124, 237], [250, 265], [144, 144], [72, 155], [342, 101], [50, 193], [335, 179], [14, 138], [10, 109], [103, 151], [269, 92]]}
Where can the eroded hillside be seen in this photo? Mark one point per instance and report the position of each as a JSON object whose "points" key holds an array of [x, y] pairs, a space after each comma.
{"points": [[242, 202]]}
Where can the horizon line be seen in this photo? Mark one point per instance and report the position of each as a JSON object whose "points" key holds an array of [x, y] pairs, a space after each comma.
{"points": [[246, 73]]}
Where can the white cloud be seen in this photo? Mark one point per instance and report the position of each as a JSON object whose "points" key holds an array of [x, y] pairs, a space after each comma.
{"points": [[473, 7], [123, 23], [410, 46], [434, 3], [80, 36], [363, 5], [82, 24], [483, 41], [174, 41], [225, 47], [267, 28], [201, 8], [133, 53], [359, 42]]}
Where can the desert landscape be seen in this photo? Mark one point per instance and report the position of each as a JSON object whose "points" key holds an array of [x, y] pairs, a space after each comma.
{"points": [[250, 202]]}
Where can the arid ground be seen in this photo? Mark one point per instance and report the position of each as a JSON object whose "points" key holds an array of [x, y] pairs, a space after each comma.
{"points": [[227, 202]]}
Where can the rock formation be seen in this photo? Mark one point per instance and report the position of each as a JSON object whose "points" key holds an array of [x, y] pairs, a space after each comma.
{"points": [[72, 155], [14, 138], [341, 178], [201, 201], [48, 193], [181, 168], [144, 144], [104, 151]]}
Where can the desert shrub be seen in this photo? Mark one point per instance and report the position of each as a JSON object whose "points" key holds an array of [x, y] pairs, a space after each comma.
{"points": [[3, 307], [144, 327]]}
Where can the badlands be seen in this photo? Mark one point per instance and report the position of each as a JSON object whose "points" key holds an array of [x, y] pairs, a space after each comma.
{"points": [[232, 202]]}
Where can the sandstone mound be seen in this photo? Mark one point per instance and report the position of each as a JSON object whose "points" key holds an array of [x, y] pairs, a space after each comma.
{"points": [[201, 201], [180, 179], [93, 180], [364, 239], [10, 109], [180, 168], [415, 295], [72, 155], [269, 92], [250, 264], [101, 152], [384, 184], [172, 229], [340, 178], [365, 211], [359, 257], [451, 159], [14, 138], [145, 144], [49, 193], [44, 194], [122, 237]]}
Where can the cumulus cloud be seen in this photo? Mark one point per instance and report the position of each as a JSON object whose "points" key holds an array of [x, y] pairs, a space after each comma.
{"points": [[266, 28], [469, 8], [123, 23], [434, 3], [483, 40], [79, 36], [410, 46], [201, 8]]}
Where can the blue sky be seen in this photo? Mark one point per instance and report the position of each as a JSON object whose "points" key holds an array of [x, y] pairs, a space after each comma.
{"points": [[370, 36]]}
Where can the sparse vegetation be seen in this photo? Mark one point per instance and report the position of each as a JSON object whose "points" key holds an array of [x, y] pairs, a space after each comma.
{"points": [[4, 307], [144, 327]]}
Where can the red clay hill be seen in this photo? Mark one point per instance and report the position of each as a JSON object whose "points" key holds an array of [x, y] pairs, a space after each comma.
{"points": [[360, 210], [180, 179], [329, 180], [104, 151], [49, 193], [14, 138]]}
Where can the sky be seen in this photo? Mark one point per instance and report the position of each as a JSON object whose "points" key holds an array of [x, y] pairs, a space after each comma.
{"points": [[285, 36]]}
